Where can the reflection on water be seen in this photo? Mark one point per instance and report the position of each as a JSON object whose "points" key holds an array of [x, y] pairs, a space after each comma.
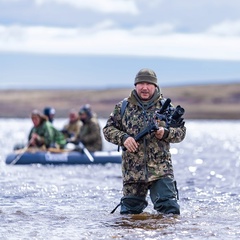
{"points": [[74, 202], [145, 221]]}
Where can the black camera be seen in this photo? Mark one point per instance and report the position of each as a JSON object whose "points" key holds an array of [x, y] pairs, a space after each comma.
{"points": [[177, 114], [176, 118]]}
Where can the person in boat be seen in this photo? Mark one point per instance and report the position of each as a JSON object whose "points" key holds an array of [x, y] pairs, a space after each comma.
{"points": [[50, 113], [43, 134], [90, 132], [71, 130], [146, 164]]}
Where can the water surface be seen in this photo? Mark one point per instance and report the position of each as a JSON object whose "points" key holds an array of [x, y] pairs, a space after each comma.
{"points": [[74, 202]]}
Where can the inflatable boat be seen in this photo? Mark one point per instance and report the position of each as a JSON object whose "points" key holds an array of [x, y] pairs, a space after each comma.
{"points": [[67, 157]]}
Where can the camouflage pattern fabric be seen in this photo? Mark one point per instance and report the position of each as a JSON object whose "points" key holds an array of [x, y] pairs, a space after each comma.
{"points": [[72, 129], [90, 135], [152, 161], [136, 189], [49, 135]]}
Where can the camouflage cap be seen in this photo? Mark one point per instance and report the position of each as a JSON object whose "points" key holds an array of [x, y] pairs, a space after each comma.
{"points": [[146, 75]]}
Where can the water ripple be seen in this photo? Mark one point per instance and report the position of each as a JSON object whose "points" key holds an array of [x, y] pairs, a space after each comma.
{"points": [[74, 202]]}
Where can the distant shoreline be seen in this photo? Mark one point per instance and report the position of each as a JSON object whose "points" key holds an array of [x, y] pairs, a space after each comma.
{"points": [[70, 88], [215, 101]]}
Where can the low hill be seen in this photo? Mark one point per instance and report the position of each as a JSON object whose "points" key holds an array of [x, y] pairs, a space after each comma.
{"points": [[200, 102]]}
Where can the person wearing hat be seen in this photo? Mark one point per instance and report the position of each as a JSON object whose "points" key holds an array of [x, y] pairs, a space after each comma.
{"points": [[90, 132], [43, 133], [71, 130], [146, 164], [50, 113]]}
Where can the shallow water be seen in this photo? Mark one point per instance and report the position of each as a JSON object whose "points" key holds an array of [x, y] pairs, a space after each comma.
{"points": [[74, 202]]}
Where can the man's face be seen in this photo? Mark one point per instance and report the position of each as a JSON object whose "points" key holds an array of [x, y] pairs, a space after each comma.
{"points": [[145, 90], [83, 116], [73, 117]]}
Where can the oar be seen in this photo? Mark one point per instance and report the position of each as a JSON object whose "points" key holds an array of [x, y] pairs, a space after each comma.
{"points": [[14, 161], [88, 154]]}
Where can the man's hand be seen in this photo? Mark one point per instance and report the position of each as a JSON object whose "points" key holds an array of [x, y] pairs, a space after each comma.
{"points": [[130, 144], [159, 133]]}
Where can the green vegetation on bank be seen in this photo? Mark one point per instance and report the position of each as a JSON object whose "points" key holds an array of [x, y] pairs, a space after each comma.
{"points": [[200, 101]]}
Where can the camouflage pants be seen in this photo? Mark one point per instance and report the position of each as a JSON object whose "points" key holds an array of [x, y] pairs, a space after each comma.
{"points": [[163, 194]]}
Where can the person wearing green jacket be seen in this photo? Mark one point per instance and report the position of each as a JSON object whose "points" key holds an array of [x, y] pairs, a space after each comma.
{"points": [[43, 133]]}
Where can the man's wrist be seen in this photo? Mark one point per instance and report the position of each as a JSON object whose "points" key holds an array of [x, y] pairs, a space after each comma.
{"points": [[166, 133], [124, 138]]}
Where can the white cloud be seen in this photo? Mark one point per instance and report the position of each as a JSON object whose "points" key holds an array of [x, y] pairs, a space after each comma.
{"points": [[227, 28], [105, 6], [104, 39], [154, 29]]}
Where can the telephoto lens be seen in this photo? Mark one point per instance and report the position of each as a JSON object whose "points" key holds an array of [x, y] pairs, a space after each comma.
{"points": [[179, 111]]}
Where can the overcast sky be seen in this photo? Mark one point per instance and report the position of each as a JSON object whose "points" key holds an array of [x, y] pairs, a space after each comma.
{"points": [[186, 29]]}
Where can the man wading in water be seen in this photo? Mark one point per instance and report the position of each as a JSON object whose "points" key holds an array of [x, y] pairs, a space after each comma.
{"points": [[146, 164]]}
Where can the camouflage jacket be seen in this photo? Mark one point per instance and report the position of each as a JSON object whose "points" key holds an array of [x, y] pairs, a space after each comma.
{"points": [[49, 135], [72, 130], [90, 135], [153, 159]]}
